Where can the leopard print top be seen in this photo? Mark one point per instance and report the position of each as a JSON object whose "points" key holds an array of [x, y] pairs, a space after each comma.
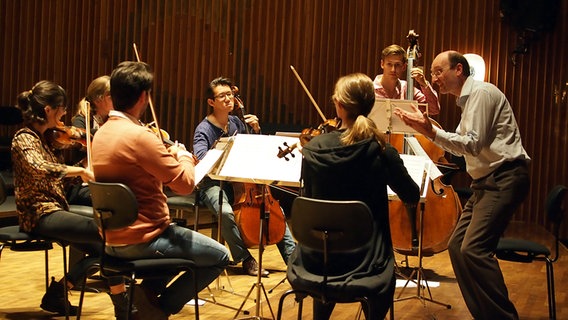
{"points": [[38, 178]]}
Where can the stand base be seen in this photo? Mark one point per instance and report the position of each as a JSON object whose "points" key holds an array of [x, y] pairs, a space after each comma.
{"points": [[211, 299], [258, 287], [279, 283], [419, 272]]}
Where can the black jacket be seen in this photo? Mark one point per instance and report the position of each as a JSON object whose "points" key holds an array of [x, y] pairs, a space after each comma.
{"points": [[360, 171]]}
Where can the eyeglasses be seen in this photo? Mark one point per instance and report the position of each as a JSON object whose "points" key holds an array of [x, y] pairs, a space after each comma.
{"points": [[62, 107], [223, 96], [439, 72]]}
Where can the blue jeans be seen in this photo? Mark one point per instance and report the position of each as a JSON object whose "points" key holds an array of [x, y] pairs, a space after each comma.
{"points": [[210, 257], [230, 230]]}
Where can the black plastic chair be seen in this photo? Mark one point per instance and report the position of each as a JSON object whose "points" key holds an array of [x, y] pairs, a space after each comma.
{"points": [[17, 240], [325, 227], [115, 207], [190, 205], [526, 251]]}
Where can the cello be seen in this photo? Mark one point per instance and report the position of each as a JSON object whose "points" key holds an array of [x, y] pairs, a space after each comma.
{"points": [[251, 198], [441, 206]]}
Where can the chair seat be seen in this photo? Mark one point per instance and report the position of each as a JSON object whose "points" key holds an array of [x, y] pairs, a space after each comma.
{"points": [[147, 267], [520, 250], [23, 241], [181, 202]]}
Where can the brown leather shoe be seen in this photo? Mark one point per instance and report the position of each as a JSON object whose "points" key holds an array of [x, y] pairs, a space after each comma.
{"points": [[250, 267]]}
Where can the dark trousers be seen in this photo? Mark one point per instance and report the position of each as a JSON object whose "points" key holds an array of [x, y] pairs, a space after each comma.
{"points": [[76, 230], [484, 218]]}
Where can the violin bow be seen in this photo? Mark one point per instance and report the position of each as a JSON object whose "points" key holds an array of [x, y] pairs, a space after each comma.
{"points": [[308, 93], [88, 132], [150, 103]]}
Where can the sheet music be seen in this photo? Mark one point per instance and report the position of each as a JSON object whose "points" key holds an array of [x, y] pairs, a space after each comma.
{"points": [[386, 121], [418, 168], [417, 149], [253, 158], [205, 164]]}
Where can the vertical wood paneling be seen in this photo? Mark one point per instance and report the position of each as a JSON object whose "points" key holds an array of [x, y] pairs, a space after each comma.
{"points": [[188, 43]]}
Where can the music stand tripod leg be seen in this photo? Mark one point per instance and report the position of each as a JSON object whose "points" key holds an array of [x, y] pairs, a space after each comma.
{"points": [[419, 271], [279, 283], [212, 299], [264, 215]]}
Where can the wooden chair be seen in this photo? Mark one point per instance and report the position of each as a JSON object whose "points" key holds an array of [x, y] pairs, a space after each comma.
{"points": [[526, 251]]}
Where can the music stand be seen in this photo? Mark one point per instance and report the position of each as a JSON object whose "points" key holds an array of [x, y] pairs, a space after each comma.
{"points": [[253, 159], [419, 168], [203, 168]]}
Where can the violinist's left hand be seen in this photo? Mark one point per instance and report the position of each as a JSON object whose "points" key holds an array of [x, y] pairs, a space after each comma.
{"points": [[418, 75], [417, 120], [252, 121]]}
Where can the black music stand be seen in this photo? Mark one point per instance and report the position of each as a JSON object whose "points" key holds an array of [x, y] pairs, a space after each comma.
{"points": [[253, 159], [204, 166], [419, 168]]}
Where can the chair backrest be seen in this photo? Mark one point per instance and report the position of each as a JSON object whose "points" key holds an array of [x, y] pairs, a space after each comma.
{"points": [[348, 224], [114, 205], [555, 204]]}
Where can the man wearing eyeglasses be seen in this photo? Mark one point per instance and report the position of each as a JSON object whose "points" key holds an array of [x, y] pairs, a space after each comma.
{"points": [[221, 123], [489, 139]]}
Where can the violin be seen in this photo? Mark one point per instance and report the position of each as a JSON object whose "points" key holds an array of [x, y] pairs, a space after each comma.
{"points": [[166, 138], [63, 137], [162, 134], [307, 135]]}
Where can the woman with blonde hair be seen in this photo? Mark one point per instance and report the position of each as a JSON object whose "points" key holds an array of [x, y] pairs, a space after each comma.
{"points": [[355, 163], [98, 96]]}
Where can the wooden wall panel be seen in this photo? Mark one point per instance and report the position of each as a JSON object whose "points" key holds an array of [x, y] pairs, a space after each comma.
{"points": [[188, 43]]}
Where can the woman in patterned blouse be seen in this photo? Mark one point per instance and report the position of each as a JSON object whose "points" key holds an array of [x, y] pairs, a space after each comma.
{"points": [[40, 196]]}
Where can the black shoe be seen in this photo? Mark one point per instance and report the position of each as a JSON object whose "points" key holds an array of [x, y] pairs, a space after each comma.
{"points": [[120, 302], [54, 300], [250, 267], [148, 304]]}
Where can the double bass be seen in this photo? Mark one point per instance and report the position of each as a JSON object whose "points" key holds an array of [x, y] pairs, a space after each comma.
{"points": [[441, 205], [252, 199]]}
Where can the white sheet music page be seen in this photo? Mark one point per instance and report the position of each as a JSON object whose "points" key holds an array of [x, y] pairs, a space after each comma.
{"points": [[254, 156], [386, 121], [419, 151], [204, 166], [418, 168]]}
